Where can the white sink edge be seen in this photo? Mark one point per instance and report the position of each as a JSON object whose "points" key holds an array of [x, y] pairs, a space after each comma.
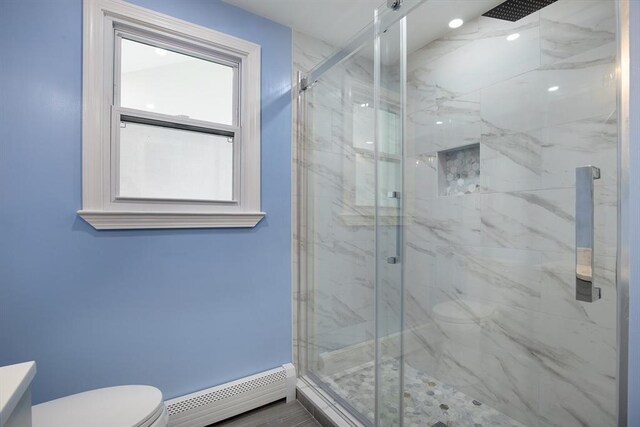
{"points": [[15, 380]]}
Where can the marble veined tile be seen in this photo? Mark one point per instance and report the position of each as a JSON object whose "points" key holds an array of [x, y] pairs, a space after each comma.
{"points": [[572, 27], [493, 276], [447, 124], [340, 274], [324, 120], [558, 286], [531, 220], [544, 220], [479, 29], [582, 89], [464, 109], [477, 64], [606, 220], [522, 351], [591, 141], [585, 89], [584, 354], [572, 352], [329, 338], [309, 51], [448, 220], [423, 94], [528, 220], [547, 158], [509, 160], [500, 381], [471, 365], [325, 174], [442, 46], [333, 325], [421, 179], [517, 104], [563, 404]]}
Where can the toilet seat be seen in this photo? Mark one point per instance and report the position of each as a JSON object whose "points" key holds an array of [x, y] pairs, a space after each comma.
{"points": [[122, 406]]}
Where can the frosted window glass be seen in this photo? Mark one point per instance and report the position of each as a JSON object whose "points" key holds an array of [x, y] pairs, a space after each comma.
{"points": [[163, 163], [162, 81]]}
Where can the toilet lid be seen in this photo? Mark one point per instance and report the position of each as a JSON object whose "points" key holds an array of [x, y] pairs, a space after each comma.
{"points": [[462, 311], [122, 406]]}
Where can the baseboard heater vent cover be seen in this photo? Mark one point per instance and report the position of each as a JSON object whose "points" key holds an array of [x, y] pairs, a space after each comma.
{"points": [[228, 400]]}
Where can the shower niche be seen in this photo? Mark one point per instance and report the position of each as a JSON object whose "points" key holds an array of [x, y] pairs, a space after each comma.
{"points": [[459, 170]]}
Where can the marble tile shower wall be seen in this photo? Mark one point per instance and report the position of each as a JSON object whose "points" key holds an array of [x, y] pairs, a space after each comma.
{"points": [[505, 255]]}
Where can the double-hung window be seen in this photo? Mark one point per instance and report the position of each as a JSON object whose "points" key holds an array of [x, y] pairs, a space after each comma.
{"points": [[171, 122]]}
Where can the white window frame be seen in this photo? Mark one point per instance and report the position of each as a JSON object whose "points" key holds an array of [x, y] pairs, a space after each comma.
{"points": [[105, 22]]}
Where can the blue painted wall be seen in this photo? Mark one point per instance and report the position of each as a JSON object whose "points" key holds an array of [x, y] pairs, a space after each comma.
{"points": [[634, 220], [179, 309]]}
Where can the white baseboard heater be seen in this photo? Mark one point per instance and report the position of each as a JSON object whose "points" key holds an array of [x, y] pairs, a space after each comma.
{"points": [[227, 400]]}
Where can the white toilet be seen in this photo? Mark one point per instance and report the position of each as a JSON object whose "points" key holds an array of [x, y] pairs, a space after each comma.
{"points": [[122, 406]]}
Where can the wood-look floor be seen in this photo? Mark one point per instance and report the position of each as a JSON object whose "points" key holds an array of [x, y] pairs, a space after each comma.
{"points": [[280, 414]]}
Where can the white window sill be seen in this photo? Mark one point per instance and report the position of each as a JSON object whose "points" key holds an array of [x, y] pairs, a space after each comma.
{"points": [[101, 220]]}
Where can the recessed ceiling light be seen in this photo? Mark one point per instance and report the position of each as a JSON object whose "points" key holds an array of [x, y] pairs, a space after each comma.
{"points": [[439, 122], [553, 88], [160, 52], [512, 37], [455, 23], [150, 106], [368, 142]]}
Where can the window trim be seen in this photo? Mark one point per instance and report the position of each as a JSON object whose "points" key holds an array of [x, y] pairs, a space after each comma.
{"points": [[106, 20]]}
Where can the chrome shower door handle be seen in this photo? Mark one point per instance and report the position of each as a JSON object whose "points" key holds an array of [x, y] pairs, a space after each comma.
{"points": [[585, 291]]}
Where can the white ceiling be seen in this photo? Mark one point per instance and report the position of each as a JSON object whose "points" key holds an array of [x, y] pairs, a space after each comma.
{"points": [[337, 21], [334, 21]]}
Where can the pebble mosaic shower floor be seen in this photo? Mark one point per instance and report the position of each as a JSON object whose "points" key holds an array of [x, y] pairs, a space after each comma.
{"points": [[427, 401]]}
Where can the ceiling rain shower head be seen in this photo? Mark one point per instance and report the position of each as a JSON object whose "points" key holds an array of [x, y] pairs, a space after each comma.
{"points": [[514, 10]]}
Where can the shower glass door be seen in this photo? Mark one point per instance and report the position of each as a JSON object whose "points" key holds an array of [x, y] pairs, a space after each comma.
{"points": [[352, 160], [338, 159], [507, 234]]}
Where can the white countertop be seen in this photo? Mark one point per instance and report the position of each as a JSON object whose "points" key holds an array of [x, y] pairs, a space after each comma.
{"points": [[14, 382]]}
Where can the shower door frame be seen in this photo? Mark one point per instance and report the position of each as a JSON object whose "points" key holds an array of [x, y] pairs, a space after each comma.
{"points": [[622, 256], [299, 210]]}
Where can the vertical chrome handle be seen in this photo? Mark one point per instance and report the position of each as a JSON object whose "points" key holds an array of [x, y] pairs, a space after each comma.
{"points": [[396, 259], [585, 291]]}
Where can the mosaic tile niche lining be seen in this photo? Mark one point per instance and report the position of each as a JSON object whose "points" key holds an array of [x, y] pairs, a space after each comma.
{"points": [[459, 171]]}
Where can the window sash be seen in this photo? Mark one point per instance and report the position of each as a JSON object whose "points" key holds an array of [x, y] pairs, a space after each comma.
{"points": [[120, 114], [119, 31], [178, 46]]}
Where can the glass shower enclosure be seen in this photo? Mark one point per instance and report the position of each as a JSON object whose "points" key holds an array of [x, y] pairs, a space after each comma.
{"points": [[458, 216]]}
